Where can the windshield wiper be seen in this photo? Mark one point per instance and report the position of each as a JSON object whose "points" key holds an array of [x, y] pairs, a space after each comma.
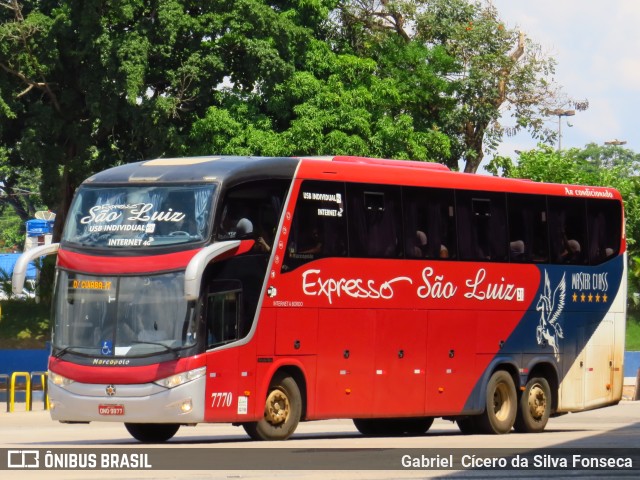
{"points": [[68, 349], [166, 347]]}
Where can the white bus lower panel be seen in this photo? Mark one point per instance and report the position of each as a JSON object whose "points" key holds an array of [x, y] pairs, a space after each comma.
{"points": [[143, 403]]}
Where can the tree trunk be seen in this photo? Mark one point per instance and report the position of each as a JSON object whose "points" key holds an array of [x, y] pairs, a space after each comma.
{"points": [[473, 137]]}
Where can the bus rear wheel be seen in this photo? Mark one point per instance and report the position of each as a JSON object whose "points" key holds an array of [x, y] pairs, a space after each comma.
{"points": [[282, 411], [393, 426], [501, 404], [152, 432], [535, 406]]}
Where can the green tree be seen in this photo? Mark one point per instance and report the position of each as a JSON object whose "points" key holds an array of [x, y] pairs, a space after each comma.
{"points": [[606, 166], [493, 69], [19, 198], [85, 85], [336, 103]]}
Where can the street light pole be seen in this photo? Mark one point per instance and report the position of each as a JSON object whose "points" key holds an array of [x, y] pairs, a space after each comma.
{"points": [[559, 112]]}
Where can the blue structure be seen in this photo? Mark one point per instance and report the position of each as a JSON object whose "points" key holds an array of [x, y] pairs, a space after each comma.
{"points": [[37, 227], [8, 261], [24, 360], [631, 363]]}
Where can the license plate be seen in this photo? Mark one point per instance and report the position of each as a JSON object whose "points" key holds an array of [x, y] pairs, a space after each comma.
{"points": [[111, 409]]}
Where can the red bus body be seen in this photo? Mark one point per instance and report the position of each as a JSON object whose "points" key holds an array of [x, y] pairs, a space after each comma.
{"points": [[368, 337]]}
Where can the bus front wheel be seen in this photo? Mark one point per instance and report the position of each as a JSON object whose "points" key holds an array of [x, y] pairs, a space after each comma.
{"points": [[152, 432], [282, 411], [501, 401], [535, 406]]}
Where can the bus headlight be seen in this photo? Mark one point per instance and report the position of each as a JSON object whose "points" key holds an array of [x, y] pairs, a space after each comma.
{"points": [[181, 378], [59, 380]]}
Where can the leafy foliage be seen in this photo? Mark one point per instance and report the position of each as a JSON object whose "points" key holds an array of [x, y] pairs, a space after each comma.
{"points": [[490, 68], [85, 85], [24, 324], [607, 166], [337, 105]]}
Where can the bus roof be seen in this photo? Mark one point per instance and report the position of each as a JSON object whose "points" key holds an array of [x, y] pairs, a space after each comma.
{"points": [[425, 174], [238, 169], [198, 170]]}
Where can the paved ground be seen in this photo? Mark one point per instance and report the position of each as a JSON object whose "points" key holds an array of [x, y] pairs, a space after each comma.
{"points": [[335, 442]]}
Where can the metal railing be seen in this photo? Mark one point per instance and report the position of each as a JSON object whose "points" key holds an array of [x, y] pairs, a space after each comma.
{"points": [[31, 380]]}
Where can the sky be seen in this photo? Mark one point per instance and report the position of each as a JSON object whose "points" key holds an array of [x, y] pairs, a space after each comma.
{"points": [[596, 45]]}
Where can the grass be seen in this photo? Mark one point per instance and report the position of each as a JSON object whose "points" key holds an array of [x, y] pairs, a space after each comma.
{"points": [[633, 332]]}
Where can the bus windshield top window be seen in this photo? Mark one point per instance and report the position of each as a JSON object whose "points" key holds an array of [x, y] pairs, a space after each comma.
{"points": [[139, 216]]}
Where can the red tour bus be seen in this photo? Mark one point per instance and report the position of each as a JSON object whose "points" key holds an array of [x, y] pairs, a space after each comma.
{"points": [[268, 291]]}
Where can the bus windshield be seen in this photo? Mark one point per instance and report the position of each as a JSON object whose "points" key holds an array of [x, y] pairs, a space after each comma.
{"points": [[129, 316], [139, 216]]}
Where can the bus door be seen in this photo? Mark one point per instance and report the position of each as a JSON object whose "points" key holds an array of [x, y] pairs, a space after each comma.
{"points": [[222, 314], [400, 364]]}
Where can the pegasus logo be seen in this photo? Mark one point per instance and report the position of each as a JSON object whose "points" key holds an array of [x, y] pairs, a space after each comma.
{"points": [[550, 307]]}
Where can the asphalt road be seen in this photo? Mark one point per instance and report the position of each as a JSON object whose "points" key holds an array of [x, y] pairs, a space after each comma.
{"points": [[328, 449]]}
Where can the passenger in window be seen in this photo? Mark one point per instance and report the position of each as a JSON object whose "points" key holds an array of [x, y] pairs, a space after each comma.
{"points": [[244, 227], [572, 252], [517, 250], [418, 246], [312, 244]]}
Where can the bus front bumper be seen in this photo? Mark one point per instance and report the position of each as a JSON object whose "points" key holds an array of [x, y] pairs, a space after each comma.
{"points": [[141, 403]]}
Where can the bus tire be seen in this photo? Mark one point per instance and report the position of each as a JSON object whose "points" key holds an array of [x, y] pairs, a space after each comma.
{"points": [[378, 427], [534, 408], [152, 432], [468, 425], [501, 404], [417, 425], [282, 411], [369, 427]]}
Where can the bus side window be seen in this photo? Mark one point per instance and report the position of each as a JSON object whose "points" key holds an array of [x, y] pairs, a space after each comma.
{"points": [[567, 230], [429, 223], [527, 228], [375, 221], [251, 210], [318, 228], [605, 223], [482, 231]]}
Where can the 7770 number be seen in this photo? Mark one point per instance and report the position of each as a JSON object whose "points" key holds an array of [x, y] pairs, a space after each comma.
{"points": [[221, 399]]}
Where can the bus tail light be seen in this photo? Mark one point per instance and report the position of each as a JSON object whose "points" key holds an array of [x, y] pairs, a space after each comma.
{"points": [[182, 378]]}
